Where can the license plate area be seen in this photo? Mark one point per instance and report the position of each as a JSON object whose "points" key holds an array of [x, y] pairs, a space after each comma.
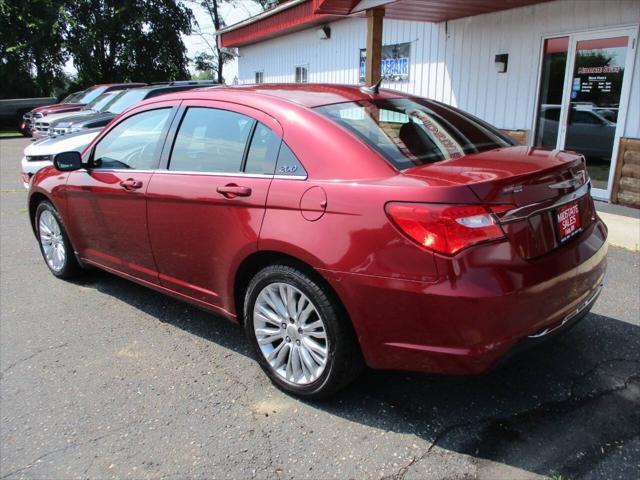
{"points": [[568, 221]]}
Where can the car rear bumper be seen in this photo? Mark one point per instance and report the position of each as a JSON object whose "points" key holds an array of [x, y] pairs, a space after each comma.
{"points": [[486, 303]]}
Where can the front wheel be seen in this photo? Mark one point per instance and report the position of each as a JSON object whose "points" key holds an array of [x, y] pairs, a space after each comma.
{"points": [[54, 243], [302, 338]]}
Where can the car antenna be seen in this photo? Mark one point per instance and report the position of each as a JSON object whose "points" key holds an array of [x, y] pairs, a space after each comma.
{"points": [[373, 89]]}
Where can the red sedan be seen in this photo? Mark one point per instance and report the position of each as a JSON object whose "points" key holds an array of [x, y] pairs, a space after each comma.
{"points": [[341, 226]]}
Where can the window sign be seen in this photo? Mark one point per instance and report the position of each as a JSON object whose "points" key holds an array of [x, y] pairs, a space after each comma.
{"points": [[394, 65]]}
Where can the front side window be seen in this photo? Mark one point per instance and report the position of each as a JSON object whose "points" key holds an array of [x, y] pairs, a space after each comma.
{"points": [[210, 140], [301, 74], [409, 132], [134, 142]]}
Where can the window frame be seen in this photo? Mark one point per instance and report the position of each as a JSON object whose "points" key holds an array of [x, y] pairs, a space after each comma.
{"points": [[304, 66], [173, 110], [256, 115], [182, 116]]}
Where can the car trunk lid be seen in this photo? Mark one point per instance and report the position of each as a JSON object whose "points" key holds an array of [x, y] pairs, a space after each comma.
{"points": [[536, 182]]}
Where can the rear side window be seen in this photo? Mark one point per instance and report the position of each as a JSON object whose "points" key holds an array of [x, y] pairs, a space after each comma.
{"points": [[263, 151], [288, 163], [134, 142], [210, 140], [409, 132]]}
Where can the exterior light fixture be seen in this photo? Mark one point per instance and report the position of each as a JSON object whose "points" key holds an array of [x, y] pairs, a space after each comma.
{"points": [[502, 60], [324, 32]]}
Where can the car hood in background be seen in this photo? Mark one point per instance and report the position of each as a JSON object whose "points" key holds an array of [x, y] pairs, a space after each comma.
{"points": [[57, 107], [62, 115], [97, 119], [66, 143]]}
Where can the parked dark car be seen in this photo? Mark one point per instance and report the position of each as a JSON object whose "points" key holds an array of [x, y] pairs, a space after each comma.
{"points": [[340, 225], [119, 104], [12, 109]]}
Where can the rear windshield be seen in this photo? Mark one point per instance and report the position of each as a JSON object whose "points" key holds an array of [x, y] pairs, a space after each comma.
{"points": [[409, 132]]}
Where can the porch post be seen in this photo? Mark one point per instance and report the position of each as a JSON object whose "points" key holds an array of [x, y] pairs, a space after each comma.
{"points": [[374, 45]]}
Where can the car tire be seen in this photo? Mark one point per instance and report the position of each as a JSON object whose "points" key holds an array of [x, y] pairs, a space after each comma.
{"points": [[55, 247], [313, 352]]}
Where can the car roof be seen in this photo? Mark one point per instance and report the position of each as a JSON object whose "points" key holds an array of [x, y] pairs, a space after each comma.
{"points": [[126, 84], [307, 94], [168, 87]]}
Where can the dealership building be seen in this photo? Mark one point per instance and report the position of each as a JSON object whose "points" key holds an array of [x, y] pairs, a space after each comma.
{"points": [[559, 74]]}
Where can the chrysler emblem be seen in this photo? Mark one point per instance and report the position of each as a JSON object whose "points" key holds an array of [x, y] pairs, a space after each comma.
{"points": [[576, 181]]}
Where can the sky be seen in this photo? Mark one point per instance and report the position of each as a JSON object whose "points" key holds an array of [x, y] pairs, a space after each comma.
{"points": [[232, 12]]}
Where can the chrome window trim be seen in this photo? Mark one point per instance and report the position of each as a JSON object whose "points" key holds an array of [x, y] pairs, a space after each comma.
{"points": [[290, 177], [522, 213], [215, 174], [119, 170], [209, 174]]}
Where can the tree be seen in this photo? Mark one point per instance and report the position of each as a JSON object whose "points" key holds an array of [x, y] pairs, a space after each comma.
{"points": [[128, 40], [31, 46], [267, 4], [213, 60]]}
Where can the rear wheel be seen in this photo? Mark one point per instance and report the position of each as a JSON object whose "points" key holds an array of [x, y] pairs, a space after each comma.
{"points": [[302, 338], [54, 243]]}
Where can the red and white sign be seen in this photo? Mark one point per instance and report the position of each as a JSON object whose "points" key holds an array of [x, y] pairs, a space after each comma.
{"points": [[568, 218]]}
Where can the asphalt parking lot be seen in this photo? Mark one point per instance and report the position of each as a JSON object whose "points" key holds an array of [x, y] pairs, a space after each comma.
{"points": [[103, 378]]}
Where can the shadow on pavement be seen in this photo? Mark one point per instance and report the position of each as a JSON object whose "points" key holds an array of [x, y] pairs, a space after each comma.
{"points": [[567, 407]]}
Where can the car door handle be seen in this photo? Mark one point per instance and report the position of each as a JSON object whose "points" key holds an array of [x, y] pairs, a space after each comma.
{"points": [[131, 184], [232, 190]]}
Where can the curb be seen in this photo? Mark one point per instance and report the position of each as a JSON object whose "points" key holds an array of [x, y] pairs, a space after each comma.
{"points": [[623, 231]]}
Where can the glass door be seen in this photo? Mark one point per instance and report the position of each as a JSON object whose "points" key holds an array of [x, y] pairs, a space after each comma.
{"points": [[584, 90]]}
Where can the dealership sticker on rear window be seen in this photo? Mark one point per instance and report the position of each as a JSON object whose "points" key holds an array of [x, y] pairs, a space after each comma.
{"points": [[568, 218]]}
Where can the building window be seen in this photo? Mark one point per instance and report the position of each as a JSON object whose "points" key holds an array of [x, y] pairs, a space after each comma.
{"points": [[301, 74], [260, 77]]}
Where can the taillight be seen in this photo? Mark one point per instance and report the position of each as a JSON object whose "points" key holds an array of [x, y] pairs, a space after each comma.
{"points": [[445, 229]]}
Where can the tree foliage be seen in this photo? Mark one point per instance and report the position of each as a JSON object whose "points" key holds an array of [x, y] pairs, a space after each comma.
{"points": [[267, 4], [31, 47], [108, 41], [213, 60], [128, 40]]}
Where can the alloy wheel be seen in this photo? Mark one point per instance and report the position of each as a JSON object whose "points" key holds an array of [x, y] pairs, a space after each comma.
{"points": [[291, 333], [52, 241]]}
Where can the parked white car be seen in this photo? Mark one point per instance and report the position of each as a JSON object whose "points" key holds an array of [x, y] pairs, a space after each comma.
{"points": [[40, 153]]}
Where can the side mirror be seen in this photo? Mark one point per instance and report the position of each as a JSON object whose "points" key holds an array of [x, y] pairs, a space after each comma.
{"points": [[67, 161]]}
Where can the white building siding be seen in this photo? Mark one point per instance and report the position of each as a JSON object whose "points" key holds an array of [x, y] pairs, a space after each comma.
{"points": [[453, 61]]}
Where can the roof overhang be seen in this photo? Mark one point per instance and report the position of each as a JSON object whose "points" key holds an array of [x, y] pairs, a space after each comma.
{"points": [[297, 15], [289, 17]]}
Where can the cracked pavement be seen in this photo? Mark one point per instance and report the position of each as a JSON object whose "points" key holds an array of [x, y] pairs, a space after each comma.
{"points": [[102, 378]]}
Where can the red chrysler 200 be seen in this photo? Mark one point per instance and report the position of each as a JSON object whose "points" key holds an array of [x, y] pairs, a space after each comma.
{"points": [[342, 226]]}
